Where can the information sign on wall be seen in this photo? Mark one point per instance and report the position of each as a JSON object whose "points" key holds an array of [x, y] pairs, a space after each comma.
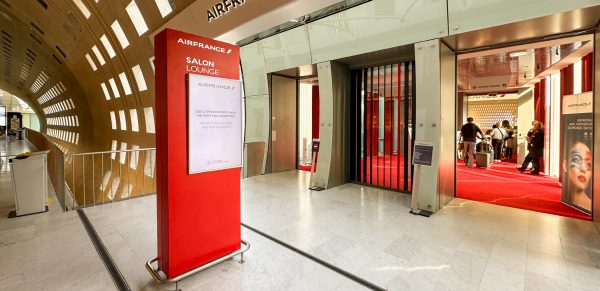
{"points": [[423, 153], [214, 124]]}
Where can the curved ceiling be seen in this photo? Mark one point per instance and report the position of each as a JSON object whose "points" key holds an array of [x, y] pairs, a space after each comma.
{"points": [[85, 66]]}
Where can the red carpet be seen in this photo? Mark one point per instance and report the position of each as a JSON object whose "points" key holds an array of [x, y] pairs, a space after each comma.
{"points": [[306, 168], [383, 171], [504, 185]]}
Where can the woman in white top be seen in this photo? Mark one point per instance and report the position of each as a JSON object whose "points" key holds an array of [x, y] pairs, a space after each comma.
{"points": [[498, 135]]}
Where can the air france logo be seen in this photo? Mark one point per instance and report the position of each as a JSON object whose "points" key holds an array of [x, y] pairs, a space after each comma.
{"points": [[577, 105], [223, 8], [216, 86], [203, 46]]}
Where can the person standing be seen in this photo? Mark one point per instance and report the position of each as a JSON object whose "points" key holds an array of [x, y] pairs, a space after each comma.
{"points": [[510, 144], [535, 145], [498, 135], [469, 135]]}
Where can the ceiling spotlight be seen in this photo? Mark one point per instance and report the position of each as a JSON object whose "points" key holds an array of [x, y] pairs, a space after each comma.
{"points": [[518, 54]]}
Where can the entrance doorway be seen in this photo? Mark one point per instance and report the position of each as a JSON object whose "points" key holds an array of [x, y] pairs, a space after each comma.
{"points": [[382, 125], [519, 97], [294, 119], [308, 121]]}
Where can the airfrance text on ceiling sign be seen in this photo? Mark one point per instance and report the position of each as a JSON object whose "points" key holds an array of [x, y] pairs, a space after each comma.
{"points": [[223, 8], [202, 45]]}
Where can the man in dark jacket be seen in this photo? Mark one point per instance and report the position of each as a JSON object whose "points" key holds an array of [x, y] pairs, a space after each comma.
{"points": [[535, 145], [469, 136]]}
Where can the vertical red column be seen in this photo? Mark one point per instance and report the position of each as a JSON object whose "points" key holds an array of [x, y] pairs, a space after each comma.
{"points": [[400, 152], [198, 214], [315, 112], [566, 88], [540, 108], [368, 125], [375, 137], [587, 67]]}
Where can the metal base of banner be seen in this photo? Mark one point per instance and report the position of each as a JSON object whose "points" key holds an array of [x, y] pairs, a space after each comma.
{"points": [[161, 280], [316, 188], [13, 213], [425, 213]]}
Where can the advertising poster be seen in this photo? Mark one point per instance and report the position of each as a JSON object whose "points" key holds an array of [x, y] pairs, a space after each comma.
{"points": [[577, 147], [15, 122], [214, 124]]}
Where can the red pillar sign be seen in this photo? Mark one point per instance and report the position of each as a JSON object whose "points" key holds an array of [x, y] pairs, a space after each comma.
{"points": [[198, 214]]}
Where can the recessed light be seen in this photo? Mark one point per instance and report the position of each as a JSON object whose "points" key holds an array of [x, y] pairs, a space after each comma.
{"points": [[518, 54]]}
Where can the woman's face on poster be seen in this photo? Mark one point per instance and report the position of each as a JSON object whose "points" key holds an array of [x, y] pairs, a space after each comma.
{"points": [[579, 165]]}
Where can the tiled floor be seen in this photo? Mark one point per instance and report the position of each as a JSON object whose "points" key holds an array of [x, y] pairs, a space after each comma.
{"points": [[369, 232], [468, 245], [48, 251], [128, 229]]}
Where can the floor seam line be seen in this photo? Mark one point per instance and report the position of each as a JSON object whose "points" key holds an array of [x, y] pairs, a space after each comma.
{"points": [[110, 265], [319, 261]]}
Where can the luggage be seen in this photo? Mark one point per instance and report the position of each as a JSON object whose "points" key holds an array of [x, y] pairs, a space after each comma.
{"points": [[484, 159]]}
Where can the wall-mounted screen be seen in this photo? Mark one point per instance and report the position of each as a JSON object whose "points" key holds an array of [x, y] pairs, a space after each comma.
{"points": [[214, 124]]}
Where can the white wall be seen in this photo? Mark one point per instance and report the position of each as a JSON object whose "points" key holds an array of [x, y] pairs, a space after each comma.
{"points": [[525, 115]]}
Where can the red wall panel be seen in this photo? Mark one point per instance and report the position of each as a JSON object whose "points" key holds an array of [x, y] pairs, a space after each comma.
{"points": [[315, 112], [539, 101], [587, 67], [566, 88]]}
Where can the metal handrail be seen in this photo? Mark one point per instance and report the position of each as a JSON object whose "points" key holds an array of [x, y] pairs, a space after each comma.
{"points": [[160, 279], [108, 152], [87, 170]]}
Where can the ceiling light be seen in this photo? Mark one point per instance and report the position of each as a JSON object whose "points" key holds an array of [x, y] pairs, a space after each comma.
{"points": [[518, 54]]}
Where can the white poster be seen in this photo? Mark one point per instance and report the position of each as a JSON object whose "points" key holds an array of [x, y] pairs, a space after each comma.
{"points": [[214, 124]]}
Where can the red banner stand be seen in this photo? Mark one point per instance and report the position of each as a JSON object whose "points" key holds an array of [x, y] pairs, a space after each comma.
{"points": [[198, 223]]}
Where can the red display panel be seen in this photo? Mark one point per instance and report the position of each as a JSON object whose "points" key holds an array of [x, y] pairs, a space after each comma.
{"points": [[199, 214]]}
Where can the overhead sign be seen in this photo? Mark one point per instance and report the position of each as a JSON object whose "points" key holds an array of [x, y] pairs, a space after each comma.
{"points": [[490, 83], [496, 97], [223, 8], [214, 124]]}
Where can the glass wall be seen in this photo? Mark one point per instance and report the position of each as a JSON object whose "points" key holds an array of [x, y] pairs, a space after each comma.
{"points": [[382, 132]]}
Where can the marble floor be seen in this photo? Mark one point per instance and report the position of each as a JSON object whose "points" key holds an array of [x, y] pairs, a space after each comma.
{"points": [[48, 251], [466, 246], [369, 232], [128, 229]]}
